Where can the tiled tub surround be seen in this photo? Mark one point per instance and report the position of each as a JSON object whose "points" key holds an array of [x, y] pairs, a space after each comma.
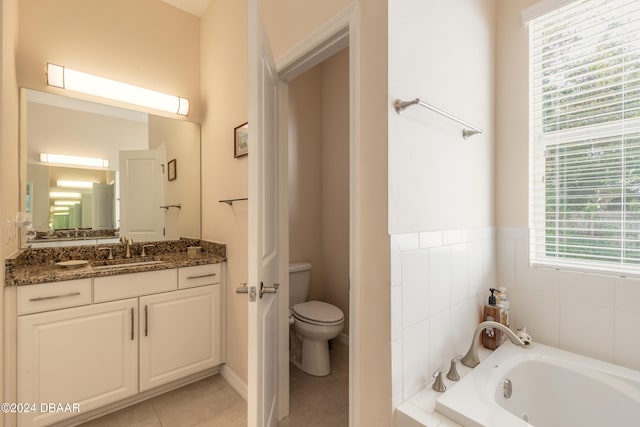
{"points": [[33, 266], [594, 315], [439, 283]]}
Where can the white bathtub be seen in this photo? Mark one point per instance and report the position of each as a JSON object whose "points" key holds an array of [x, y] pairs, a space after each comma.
{"points": [[550, 388]]}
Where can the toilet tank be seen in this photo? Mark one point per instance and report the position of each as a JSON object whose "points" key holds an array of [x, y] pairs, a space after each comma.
{"points": [[299, 279]]}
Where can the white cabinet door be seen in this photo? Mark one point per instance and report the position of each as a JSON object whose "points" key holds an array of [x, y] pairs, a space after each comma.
{"points": [[86, 355], [180, 334]]}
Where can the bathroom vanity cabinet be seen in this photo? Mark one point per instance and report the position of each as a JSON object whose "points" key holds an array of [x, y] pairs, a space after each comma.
{"points": [[101, 340]]}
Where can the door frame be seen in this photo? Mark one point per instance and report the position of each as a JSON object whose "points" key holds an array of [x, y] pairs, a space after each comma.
{"points": [[339, 32]]}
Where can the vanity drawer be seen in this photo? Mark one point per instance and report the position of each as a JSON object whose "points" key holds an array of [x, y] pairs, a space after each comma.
{"points": [[199, 275], [133, 285], [53, 296]]}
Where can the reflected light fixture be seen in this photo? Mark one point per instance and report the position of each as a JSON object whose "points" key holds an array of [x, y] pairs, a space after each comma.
{"points": [[63, 159], [63, 195], [66, 78], [74, 184], [60, 208], [66, 202]]}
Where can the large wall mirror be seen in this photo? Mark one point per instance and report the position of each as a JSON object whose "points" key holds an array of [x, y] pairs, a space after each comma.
{"points": [[144, 184]]}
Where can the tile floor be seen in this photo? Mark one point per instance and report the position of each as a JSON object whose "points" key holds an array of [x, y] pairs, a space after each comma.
{"points": [[314, 402]]}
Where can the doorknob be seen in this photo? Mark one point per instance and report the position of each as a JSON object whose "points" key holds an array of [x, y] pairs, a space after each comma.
{"points": [[268, 289], [243, 289]]}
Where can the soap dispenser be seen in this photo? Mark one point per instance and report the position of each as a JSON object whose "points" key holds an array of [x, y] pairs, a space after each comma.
{"points": [[491, 337]]}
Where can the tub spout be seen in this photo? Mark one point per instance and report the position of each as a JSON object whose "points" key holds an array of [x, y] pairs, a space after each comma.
{"points": [[471, 359]]}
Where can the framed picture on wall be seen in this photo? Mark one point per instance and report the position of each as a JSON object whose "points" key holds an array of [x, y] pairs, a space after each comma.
{"points": [[241, 140], [171, 168]]}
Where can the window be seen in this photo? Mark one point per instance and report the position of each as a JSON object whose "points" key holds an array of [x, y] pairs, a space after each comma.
{"points": [[585, 136]]}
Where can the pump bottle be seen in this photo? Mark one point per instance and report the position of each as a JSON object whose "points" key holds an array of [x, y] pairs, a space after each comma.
{"points": [[491, 337]]}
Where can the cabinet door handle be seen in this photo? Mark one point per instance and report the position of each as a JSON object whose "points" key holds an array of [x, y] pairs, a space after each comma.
{"points": [[146, 318], [132, 323], [70, 294], [201, 276]]}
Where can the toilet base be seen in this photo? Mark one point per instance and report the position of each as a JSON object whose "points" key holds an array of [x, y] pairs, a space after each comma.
{"points": [[315, 358]]}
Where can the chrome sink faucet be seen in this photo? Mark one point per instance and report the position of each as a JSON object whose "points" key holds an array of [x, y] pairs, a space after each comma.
{"points": [[472, 359], [127, 243]]}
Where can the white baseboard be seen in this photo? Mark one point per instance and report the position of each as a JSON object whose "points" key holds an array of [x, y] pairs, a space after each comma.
{"points": [[343, 339], [234, 381]]}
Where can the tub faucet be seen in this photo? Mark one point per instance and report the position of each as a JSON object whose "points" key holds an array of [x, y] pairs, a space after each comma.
{"points": [[471, 359]]}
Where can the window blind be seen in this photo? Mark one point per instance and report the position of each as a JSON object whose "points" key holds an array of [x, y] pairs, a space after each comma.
{"points": [[585, 136]]}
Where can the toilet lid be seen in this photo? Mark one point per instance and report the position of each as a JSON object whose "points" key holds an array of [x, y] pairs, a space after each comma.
{"points": [[318, 311]]}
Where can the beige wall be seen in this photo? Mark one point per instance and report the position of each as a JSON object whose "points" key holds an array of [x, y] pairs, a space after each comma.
{"points": [[224, 94], [372, 386], [9, 146], [335, 181], [512, 115], [319, 178], [438, 180], [146, 43], [305, 176], [290, 21], [181, 140]]}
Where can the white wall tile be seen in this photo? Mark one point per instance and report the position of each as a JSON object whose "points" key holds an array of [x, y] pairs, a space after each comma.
{"points": [[464, 318], [396, 264], [415, 287], [415, 356], [441, 345], [541, 316], [430, 239], [396, 367], [587, 329], [476, 269], [439, 279], [506, 263], [459, 273], [407, 242], [451, 237], [489, 263], [592, 289], [628, 295], [396, 313], [627, 339], [534, 280]]}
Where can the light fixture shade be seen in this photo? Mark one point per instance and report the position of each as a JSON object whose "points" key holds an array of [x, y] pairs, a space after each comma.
{"points": [[64, 195], [67, 78], [73, 184], [64, 159]]}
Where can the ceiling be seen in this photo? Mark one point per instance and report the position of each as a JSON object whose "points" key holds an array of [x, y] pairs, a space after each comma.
{"points": [[194, 7]]}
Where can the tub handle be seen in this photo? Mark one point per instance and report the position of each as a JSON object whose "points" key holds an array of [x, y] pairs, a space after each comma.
{"points": [[438, 384], [453, 369]]}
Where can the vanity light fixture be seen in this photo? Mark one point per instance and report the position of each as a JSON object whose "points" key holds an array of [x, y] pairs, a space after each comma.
{"points": [[74, 184], [63, 195], [63, 159], [67, 78]]}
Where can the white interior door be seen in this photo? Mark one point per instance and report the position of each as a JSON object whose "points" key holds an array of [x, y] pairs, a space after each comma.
{"points": [[102, 207], [263, 257], [142, 194]]}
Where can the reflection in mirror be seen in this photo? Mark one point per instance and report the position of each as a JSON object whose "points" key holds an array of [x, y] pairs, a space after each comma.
{"points": [[126, 192]]}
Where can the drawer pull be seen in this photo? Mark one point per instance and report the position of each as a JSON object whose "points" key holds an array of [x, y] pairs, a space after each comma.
{"points": [[146, 322], [70, 294], [201, 276], [132, 324]]}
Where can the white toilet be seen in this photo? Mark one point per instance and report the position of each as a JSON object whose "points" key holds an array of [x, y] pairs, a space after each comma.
{"points": [[314, 324]]}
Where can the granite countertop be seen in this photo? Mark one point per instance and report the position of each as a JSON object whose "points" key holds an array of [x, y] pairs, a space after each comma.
{"points": [[34, 266]]}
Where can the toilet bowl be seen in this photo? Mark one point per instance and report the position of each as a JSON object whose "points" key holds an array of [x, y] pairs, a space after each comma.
{"points": [[315, 323]]}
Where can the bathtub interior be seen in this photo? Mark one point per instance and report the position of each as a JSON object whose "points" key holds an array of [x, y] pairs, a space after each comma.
{"points": [[550, 387]]}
